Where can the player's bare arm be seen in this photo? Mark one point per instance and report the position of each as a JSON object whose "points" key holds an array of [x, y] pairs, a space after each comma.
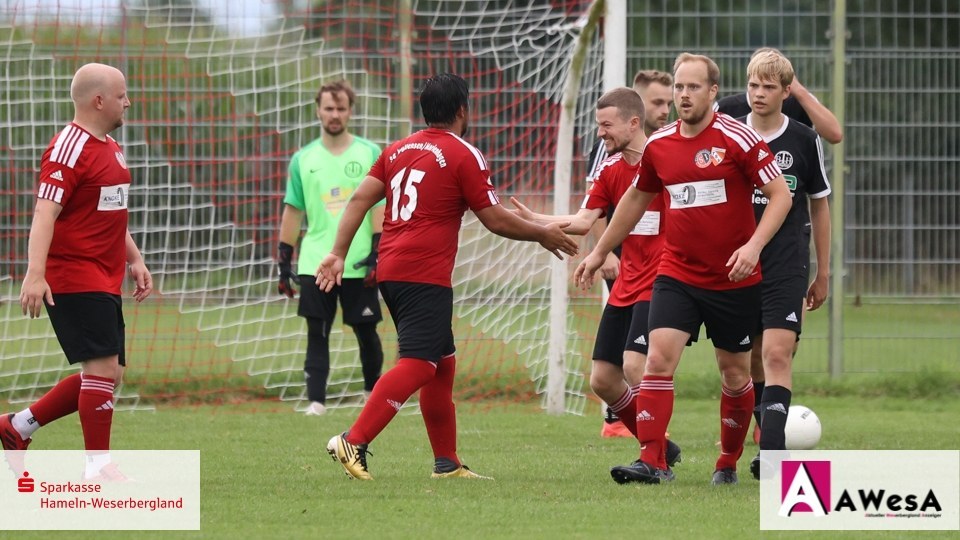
{"points": [[629, 211], [505, 223], [743, 261], [138, 270], [611, 265], [368, 193], [35, 288], [579, 223], [820, 222], [824, 121]]}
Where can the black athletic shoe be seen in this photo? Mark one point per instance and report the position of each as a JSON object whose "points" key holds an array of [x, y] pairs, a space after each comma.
{"points": [[755, 466], [641, 472], [724, 476], [673, 453]]}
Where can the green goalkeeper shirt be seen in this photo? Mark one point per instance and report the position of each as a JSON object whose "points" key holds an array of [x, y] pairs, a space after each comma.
{"points": [[320, 184]]}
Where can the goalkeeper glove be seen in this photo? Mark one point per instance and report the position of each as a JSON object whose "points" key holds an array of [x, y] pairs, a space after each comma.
{"points": [[370, 261], [284, 257]]}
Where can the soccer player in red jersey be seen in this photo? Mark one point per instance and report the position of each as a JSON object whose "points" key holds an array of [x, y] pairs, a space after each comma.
{"points": [[706, 166], [620, 350], [78, 251], [429, 180]]}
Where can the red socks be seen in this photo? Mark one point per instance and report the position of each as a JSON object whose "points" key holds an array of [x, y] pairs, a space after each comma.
{"points": [[60, 401], [626, 409], [653, 412], [388, 395], [736, 408], [438, 411], [95, 406]]}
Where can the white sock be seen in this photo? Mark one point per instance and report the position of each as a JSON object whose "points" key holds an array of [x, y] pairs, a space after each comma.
{"points": [[95, 462], [25, 423]]}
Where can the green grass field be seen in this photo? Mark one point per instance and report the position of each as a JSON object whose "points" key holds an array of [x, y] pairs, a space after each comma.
{"points": [[266, 475]]}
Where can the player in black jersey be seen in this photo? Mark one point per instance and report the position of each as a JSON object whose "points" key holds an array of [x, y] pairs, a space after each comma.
{"points": [[800, 104], [785, 259]]}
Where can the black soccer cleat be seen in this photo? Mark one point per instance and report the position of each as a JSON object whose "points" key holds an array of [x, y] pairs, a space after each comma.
{"points": [[673, 453], [724, 477], [642, 473]]}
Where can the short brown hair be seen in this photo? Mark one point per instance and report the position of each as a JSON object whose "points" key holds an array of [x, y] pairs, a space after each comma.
{"points": [[713, 72], [644, 77], [626, 100], [337, 87]]}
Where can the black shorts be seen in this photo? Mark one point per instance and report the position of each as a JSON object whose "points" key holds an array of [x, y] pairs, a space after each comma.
{"points": [[730, 316], [423, 315], [88, 325], [782, 301], [621, 328], [360, 304]]}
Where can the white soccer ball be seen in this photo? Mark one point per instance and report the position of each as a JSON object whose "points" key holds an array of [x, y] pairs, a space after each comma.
{"points": [[802, 429]]}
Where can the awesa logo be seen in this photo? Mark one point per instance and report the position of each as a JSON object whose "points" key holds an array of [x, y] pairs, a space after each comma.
{"points": [[805, 487]]}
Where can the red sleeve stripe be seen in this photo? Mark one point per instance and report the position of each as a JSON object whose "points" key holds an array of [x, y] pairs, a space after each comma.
{"points": [[50, 192], [748, 132], [69, 145], [769, 172], [493, 198]]}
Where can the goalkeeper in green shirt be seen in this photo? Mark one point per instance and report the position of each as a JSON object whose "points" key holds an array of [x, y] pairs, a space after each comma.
{"points": [[322, 176]]}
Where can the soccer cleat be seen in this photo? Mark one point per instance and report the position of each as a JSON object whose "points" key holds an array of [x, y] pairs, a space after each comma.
{"points": [[460, 472], [12, 442], [724, 476], [615, 429], [642, 473], [757, 466], [316, 409], [353, 457], [9, 436], [673, 453], [109, 474]]}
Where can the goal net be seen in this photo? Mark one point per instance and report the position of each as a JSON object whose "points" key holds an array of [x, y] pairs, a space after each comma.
{"points": [[221, 100]]}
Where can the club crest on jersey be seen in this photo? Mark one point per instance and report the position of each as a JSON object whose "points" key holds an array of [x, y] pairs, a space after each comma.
{"points": [[784, 159], [704, 158], [716, 155], [353, 169], [120, 160]]}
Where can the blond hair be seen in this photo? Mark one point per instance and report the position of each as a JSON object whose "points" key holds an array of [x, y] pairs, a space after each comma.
{"points": [[771, 65]]}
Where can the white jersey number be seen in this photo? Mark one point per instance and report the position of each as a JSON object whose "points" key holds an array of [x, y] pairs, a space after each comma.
{"points": [[408, 185]]}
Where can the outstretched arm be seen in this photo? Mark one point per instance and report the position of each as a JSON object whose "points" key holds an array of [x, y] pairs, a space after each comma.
{"points": [[579, 223], [505, 223], [629, 211]]}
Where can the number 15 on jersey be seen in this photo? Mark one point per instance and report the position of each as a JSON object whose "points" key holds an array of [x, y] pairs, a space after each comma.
{"points": [[407, 184]]}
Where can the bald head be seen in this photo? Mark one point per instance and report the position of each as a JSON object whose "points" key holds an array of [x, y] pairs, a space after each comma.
{"points": [[99, 94]]}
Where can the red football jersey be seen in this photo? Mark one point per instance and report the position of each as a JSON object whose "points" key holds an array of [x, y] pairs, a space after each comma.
{"points": [[640, 251], [431, 178], [89, 179], [708, 183]]}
